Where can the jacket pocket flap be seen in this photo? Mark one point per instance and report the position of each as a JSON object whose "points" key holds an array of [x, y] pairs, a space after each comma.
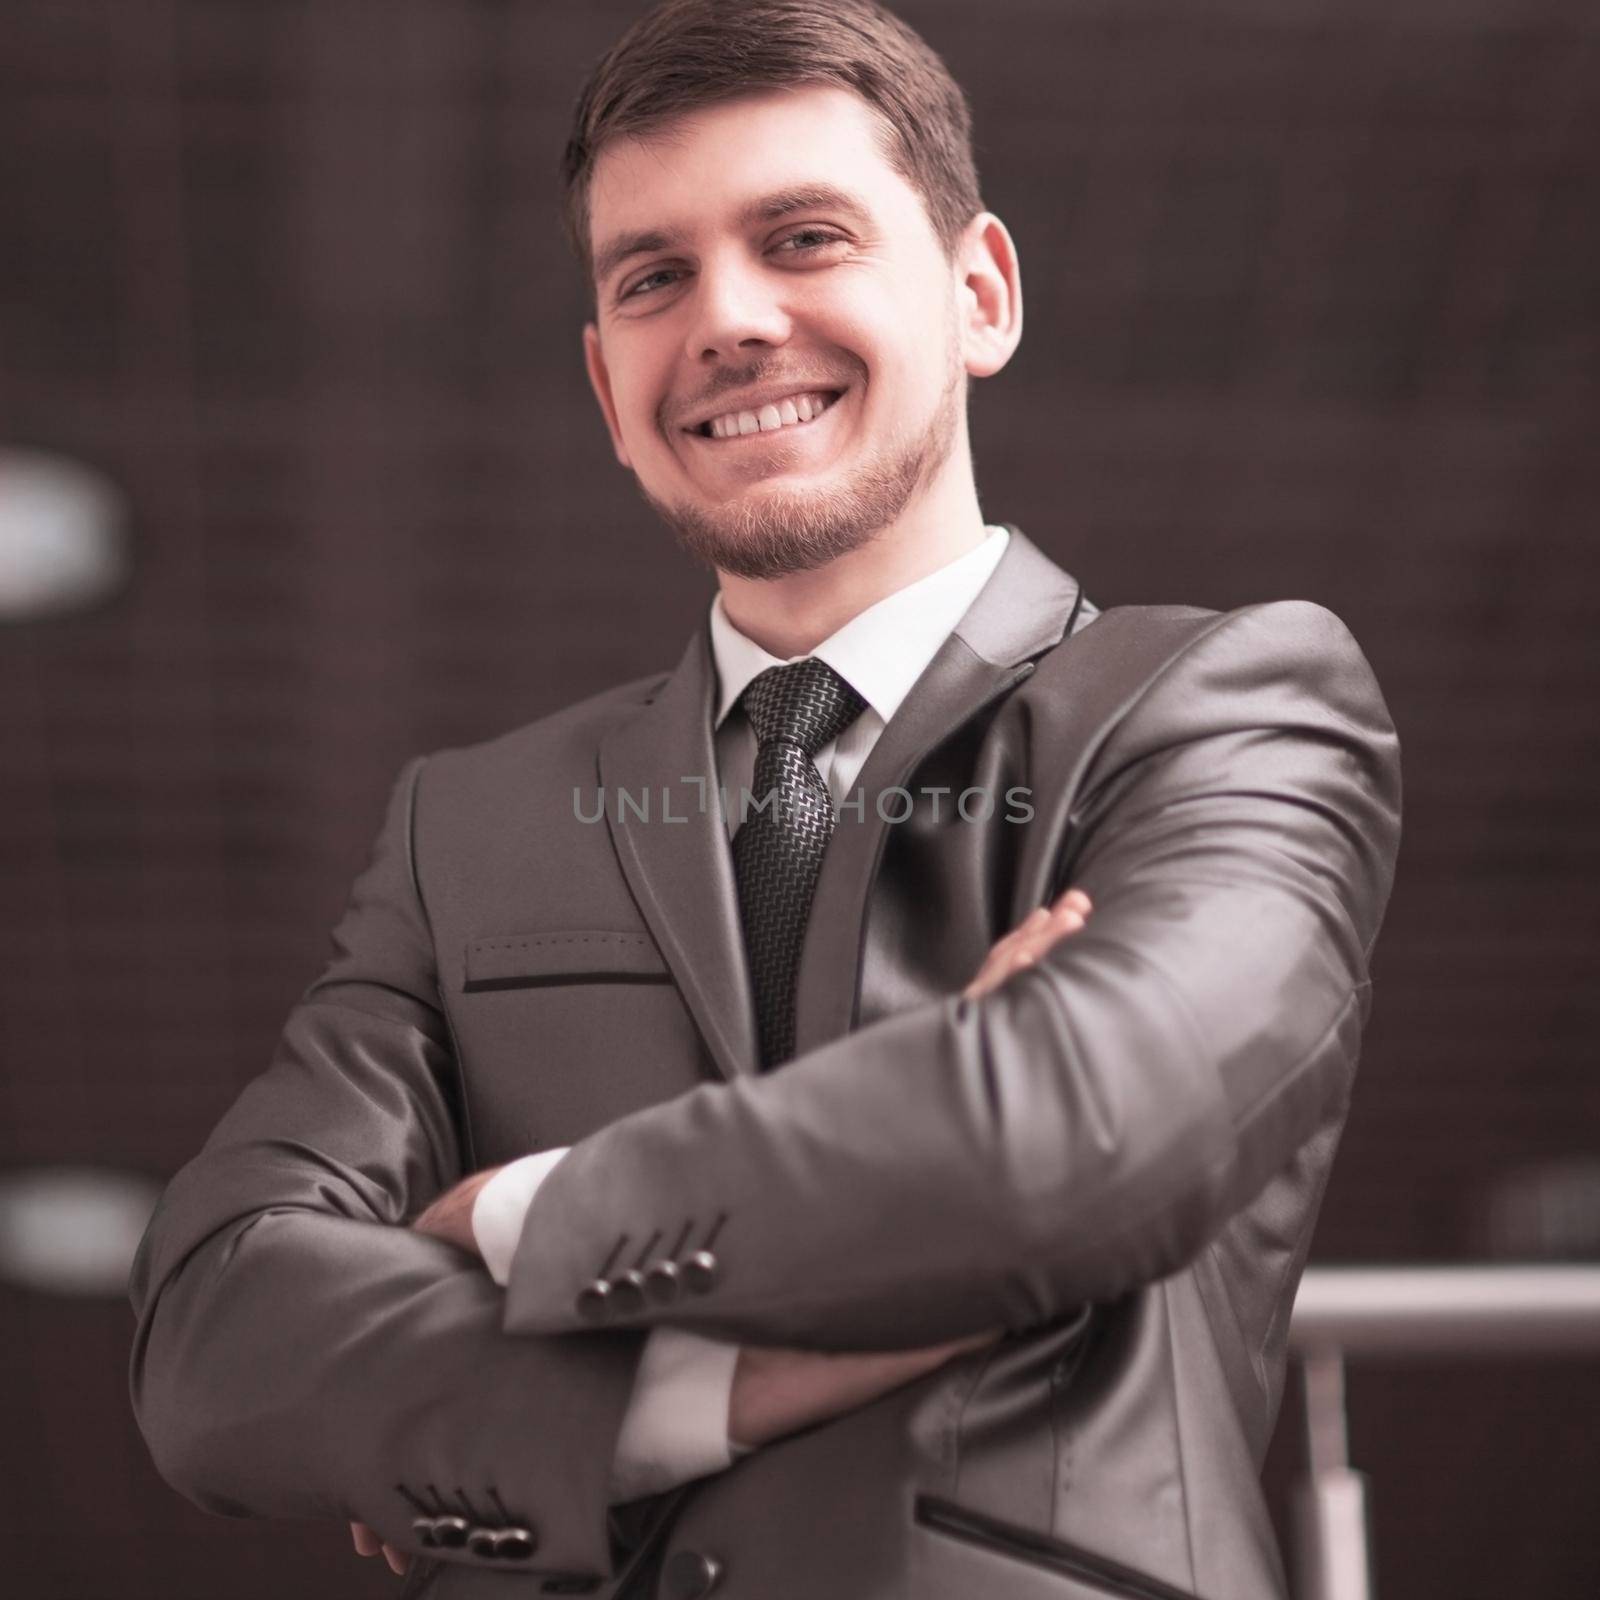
{"points": [[586, 955]]}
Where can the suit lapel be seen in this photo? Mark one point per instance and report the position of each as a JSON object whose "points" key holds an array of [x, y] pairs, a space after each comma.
{"points": [[1024, 609], [681, 871]]}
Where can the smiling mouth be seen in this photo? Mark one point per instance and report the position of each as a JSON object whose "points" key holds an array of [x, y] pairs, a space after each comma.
{"points": [[795, 412]]}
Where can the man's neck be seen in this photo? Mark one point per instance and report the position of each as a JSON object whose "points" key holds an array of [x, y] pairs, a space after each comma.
{"points": [[791, 616]]}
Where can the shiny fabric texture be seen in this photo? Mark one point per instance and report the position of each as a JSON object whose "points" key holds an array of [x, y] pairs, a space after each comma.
{"points": [[795, 710], [1117, 1156]]}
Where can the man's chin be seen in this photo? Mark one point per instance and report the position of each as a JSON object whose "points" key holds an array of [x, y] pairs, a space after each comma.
{"points": [[770, 532], [774, 529]]}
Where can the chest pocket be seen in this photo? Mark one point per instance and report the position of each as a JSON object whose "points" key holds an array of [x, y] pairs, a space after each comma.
{"points": [[563, 1031], [532, 960]]}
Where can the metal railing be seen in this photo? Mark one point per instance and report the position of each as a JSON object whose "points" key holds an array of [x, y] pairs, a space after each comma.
{"points": [[1412, 1312]]}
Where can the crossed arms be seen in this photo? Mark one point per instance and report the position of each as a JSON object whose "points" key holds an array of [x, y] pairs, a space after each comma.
{"points": [[767, 1392], [1083, 1128]]}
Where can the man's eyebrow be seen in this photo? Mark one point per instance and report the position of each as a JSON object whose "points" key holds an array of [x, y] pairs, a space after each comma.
{"points": [[803, 197], [768, 208]]}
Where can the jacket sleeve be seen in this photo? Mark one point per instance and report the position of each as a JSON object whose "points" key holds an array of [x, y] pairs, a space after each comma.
{"points": [[1087, 1126], [300, 1351], [676, 1425]]}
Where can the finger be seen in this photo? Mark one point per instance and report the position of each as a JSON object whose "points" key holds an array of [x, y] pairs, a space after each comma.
{"points": [[1035, 919], [1030, 938], [1074, 902], [995, 972], [1059, 925], [367, 1542], [397, 1559], [996, 965], [995, 962], [983, 982], [1021, 949]]}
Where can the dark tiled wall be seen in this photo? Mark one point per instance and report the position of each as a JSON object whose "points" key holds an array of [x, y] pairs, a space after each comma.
{"points": [[1311, 312]]}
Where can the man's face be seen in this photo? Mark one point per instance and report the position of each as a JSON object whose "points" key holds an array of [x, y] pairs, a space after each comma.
{"points": [[776, 348]]}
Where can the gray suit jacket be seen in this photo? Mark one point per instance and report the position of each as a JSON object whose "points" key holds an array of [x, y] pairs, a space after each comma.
{"points": [[1118, 1155]]}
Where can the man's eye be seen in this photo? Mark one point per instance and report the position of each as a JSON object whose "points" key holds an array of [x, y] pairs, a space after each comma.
{"points": [[802, 241], [809, 239], [633, 289]]}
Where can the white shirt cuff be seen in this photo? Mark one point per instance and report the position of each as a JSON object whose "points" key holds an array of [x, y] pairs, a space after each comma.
{"points": [[501, 1208], [676, 1425]]}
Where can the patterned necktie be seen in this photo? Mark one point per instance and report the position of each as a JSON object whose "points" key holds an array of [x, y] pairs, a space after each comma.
{"points": [[777, 852]]}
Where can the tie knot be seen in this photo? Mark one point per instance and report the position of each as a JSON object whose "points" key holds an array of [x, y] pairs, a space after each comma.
{"points": [[806, 702]]}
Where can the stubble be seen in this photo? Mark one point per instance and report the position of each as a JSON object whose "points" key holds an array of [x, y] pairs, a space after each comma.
{"points": [[772, 533]]}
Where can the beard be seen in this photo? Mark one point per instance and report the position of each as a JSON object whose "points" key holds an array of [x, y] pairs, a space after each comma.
{"points": [[772, 533]]}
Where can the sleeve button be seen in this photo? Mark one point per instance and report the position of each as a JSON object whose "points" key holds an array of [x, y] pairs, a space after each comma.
{"points": [[700, 1271], [627, 1294], [661, 1281], [515, 1544], [451, 1532], [594, 1301], [689, 1574]]}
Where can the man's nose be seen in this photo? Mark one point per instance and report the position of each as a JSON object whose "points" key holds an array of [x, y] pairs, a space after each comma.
{"points": [[736, 309]]}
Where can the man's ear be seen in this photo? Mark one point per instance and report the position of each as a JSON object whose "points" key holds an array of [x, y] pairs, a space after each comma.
{"points": [[600, 382], [989, 295]]}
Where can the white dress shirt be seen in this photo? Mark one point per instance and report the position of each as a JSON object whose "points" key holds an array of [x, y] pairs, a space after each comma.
{"points": [[676, 1425]]}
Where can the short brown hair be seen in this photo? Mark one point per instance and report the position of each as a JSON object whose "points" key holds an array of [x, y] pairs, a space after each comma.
{"points": [[685, 54]]}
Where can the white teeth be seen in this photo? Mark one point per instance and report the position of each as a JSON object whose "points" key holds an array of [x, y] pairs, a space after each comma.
{"points": [[783, 414]]}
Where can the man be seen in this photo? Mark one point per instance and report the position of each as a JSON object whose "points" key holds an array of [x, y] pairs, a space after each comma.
{"points": [[662, 1193]]}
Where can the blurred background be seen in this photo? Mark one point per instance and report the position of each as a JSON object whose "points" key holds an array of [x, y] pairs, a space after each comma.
{"points": [[300, 475]]}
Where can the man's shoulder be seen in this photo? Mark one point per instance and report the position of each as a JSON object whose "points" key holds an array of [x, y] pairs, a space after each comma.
{"points": [[1134, 660], [1165, 632], [1152, 674]]}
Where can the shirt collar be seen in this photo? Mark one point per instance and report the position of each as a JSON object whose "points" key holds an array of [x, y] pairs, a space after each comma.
{"points": [[879, 652]]}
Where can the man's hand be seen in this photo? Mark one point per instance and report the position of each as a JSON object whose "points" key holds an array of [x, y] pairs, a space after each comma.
{"points": [[369, 1544], [778, 1391], [450, 1216], [1029, 940]]}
